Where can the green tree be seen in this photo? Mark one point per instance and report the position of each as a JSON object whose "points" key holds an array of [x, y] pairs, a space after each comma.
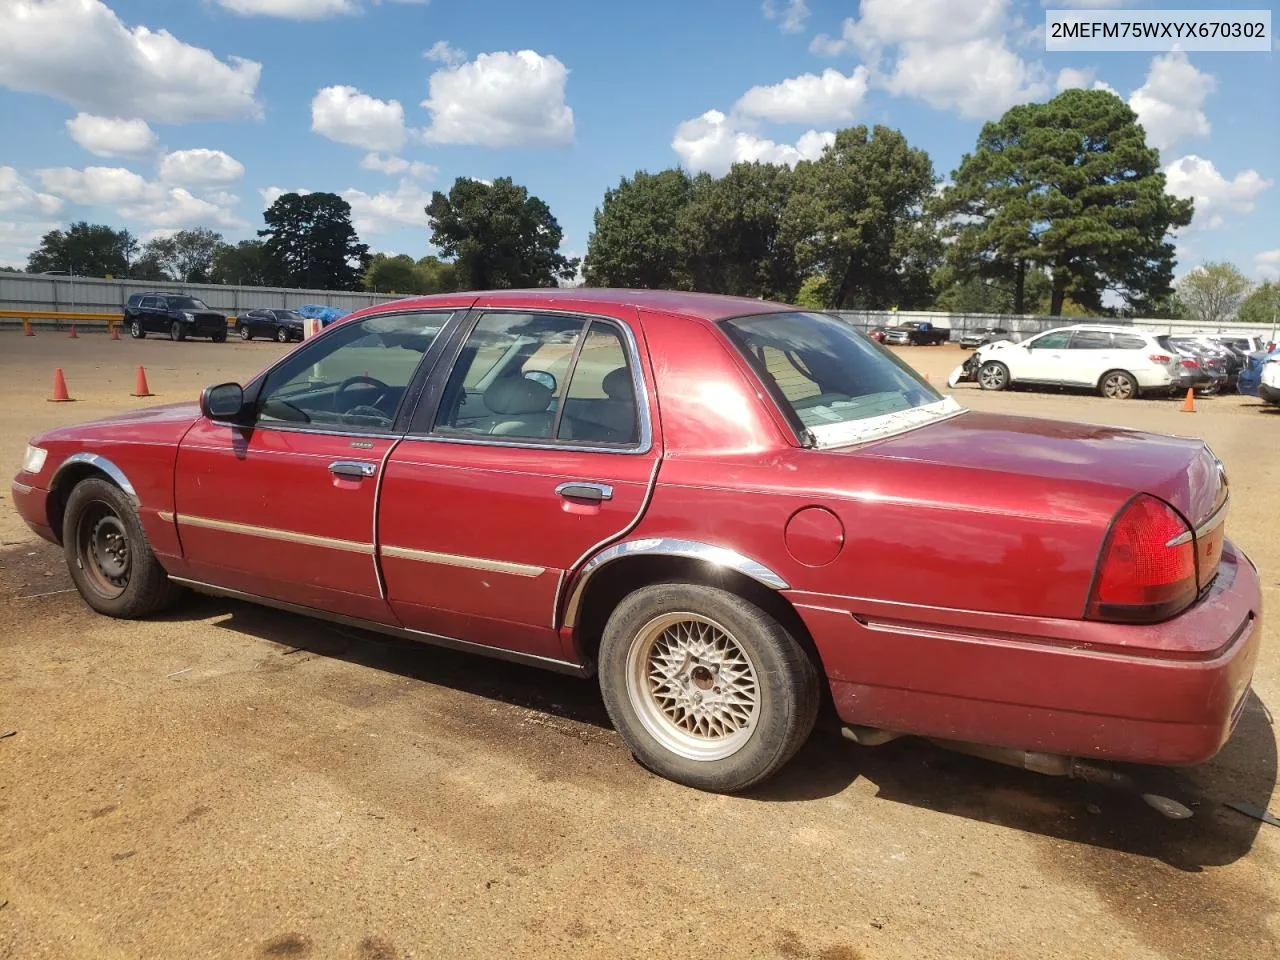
{"points": [[812, 293], [857, 215], [730, 238], [186, 256], [244, 265], [1261, 306], [311, 243], [635, 241], [1213, 292], [403, 274], [438, 276], [498, 236], [1069, 185], [86, 250]]}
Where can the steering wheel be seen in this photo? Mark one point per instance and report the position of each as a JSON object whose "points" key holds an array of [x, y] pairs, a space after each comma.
{"points": [[352, 381]]}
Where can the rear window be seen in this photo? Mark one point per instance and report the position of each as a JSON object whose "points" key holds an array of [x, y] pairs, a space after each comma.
{"points": [[833, 383]]}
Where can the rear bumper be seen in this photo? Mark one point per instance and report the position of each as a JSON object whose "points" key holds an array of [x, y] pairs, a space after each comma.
{"points": [[1165, 694]]}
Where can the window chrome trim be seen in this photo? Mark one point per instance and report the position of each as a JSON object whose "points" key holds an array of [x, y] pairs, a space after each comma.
{"points": [[275, 533], [461, 560], [403, 633], [663, 546], [1214, 519], [639, 384], [99, 462]]}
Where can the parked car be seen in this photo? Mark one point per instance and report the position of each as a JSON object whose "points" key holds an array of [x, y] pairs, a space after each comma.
{"points": [[1245, 344], [917, 333], [978, 338], [1250, 379], [281, 325], [877, 333], [1119, 362], [178, 316], [716, 506], [1209, 361], [1269, 380]]}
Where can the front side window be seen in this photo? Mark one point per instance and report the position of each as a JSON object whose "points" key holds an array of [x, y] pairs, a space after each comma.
{"points": [[836, 384], [1057, 340], [353, 378]]}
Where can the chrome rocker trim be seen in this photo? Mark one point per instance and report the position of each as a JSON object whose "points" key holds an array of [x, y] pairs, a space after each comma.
{"points": [[660, 546], [403, 633]]}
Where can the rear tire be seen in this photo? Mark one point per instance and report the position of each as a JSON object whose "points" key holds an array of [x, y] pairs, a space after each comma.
{"points": [[993, 375], [110, 561], [706, 688], [1118, 385]]}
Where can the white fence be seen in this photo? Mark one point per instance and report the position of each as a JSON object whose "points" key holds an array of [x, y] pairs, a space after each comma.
{"points": [[38, 291]]}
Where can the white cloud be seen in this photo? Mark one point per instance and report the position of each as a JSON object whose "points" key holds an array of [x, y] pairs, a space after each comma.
{"points": [[17, 198], [395, 166], [270, 195], [1267, 264], [501, 100], [1070, 78], [1215, 196], [112, 136], [1169, 103], [19, 238], [127, 193], [790, 14], [200, 168], [714, 142], [1084, 4], [442, 52], [808, 98], [79, 52], [383, 211], [348, 116], [952, 54]]}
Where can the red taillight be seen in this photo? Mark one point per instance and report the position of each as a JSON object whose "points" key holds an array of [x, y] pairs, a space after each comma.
{"points": [[1188, 362], [1141, 578], [1160, 358]]}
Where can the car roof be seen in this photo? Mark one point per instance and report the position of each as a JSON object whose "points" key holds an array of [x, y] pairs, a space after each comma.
{"points": [[1103, 328], [706, 306]]}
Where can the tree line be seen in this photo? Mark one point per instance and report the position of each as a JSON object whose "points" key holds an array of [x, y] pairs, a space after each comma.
{"points": [[1061, 209]]}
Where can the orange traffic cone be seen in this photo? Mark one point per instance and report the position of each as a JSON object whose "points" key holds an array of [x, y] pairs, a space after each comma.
{"points": [[115, 331], [1189, 404], [26, 328], [59, 387], [140, 388], [73, 335], [926, 376]]}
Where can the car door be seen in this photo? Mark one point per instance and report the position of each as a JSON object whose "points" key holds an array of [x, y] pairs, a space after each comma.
{"points": [[533, 446], [1045, 359], [284, 508], [1090, 354], [149, 312]]}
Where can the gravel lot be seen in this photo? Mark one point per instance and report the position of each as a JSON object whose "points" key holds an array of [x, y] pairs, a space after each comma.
{"points": [[235, 782]]}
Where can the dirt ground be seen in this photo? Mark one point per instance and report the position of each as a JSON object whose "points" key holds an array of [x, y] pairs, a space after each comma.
{"points": [[234, 782]]}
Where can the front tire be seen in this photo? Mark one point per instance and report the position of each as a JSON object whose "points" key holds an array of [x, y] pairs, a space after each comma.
{"points": [[706, 688], [220, 337], [176, 332], [110, 561], [282, 335], [1118, 385], [136, 331], [246, 333], [993, 375]]}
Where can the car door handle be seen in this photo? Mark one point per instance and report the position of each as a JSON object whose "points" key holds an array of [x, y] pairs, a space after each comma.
{"points": [[578, 490], [353, 469]]}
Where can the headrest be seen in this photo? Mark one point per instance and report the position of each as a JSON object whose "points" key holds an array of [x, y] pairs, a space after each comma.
{"points": [[617, 385], [515, 396]]}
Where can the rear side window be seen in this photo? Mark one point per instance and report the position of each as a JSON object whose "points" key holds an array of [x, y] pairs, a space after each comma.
{"points": [[1091, 340], [1125, 341]]}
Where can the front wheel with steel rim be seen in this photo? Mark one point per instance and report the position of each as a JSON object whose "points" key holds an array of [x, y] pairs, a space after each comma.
{"points": [[136, 331], [110, 561], [177, 331], [993, 376], [246, 333], [706, 688], [1118, 385]]}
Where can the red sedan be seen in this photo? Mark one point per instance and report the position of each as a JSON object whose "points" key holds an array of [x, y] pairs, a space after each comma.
{"points": [[727, 509]]}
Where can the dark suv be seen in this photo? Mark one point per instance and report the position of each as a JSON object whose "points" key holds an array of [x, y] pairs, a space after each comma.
{"points": [[178, 316]]}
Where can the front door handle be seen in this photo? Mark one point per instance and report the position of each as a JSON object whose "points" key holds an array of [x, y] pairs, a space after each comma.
{"points": [[591, 492], [352, 469]]}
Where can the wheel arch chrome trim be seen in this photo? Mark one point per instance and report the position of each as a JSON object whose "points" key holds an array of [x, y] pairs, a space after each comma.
{"points": [[100, 463], [668, 547]]}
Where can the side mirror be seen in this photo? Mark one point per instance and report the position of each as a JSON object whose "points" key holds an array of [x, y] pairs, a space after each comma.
{"points": [[225, 401]]}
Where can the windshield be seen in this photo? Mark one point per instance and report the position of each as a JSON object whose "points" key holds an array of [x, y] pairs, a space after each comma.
{"points": [[186, 303], [835, 384]]}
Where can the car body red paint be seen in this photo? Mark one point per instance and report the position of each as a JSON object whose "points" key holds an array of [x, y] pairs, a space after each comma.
{"points": [[942, 572]]}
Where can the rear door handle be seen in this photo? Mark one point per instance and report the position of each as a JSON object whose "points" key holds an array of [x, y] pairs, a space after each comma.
{"points": [[592, 492], [352, 469]]}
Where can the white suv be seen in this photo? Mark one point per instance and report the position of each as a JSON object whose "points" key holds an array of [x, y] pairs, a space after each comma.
{"points": [[1118, 362], [1269, 386]]}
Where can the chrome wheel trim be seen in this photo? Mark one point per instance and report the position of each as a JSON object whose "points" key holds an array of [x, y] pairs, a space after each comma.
{"points": [[693, 686], [992, 376], [135, 329], [1117, 386]]}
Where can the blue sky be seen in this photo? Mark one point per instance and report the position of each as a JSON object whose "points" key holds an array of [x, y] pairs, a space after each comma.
{"points": [[162, 114]]}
